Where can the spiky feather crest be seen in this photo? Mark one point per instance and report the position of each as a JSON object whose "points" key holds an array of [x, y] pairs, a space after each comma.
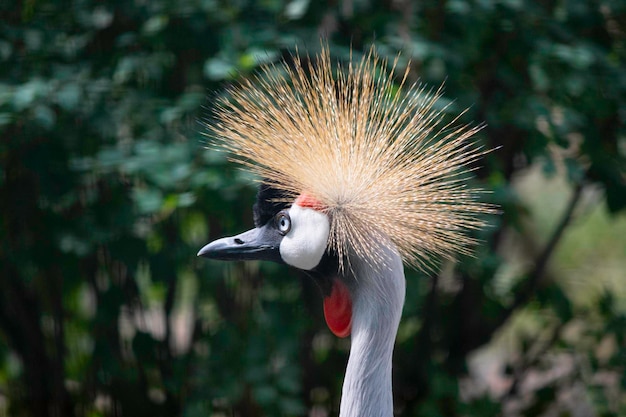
{"points": [[378, 155]]}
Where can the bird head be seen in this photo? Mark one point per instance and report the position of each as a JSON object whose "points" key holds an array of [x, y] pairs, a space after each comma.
{"points": [[294, 234], [297, 235]]}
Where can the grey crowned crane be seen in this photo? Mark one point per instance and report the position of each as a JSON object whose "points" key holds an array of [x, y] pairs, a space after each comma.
{"points": [[360, 174]]}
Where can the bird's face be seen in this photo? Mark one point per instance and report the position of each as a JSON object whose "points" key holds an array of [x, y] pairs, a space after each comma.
{"points": [[295, 235]]}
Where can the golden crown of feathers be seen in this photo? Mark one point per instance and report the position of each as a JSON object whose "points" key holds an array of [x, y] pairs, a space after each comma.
{"points": [[385, 163]]}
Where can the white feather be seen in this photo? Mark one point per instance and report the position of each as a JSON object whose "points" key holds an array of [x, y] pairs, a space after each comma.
{"points": [[305, 244]]}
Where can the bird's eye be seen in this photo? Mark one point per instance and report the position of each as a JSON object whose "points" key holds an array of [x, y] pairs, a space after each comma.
{"points": [[283, 222]]}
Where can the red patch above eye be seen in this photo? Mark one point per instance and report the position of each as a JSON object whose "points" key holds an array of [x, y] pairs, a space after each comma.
{"points": [[308, 201]]}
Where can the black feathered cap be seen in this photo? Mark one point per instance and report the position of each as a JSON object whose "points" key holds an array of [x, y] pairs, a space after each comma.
{"points": [[269, 201]]}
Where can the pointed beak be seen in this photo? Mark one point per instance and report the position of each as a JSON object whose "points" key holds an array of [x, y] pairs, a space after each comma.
{"points": [[261, 243]]}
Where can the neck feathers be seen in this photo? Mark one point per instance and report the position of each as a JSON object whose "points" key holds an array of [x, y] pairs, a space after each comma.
{"points": [[378, 299]]}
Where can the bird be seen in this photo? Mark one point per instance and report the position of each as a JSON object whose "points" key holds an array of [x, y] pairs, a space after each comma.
{"points": [[361, 171]]}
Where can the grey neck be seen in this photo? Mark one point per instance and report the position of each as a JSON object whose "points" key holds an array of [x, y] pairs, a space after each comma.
{"points": [[378, 297]]}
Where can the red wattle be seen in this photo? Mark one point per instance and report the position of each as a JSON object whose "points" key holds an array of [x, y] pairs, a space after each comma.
{"points": [[338, 309]]}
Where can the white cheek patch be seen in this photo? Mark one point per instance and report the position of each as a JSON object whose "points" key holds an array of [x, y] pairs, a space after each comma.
{"points": [[305, 244]]}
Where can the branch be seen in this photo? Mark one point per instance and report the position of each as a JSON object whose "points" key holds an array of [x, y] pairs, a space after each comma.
{"points": [[535, 277], [525, 364]]}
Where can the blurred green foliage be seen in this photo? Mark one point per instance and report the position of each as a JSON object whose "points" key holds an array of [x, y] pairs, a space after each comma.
{"points": [[107, 193]]}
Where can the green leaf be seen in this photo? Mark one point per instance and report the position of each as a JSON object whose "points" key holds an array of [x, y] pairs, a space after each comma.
{"points": [[148, 200], [217, 69]]}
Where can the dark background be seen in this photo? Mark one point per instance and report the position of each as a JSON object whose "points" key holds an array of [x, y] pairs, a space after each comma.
{"points": [[107, 193]]}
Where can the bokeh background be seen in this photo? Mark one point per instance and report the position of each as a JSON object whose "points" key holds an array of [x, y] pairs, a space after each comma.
{"points": [[107, 193]]}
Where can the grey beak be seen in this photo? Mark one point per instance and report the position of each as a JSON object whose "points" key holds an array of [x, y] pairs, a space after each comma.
{"points": [[261, 243]]}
